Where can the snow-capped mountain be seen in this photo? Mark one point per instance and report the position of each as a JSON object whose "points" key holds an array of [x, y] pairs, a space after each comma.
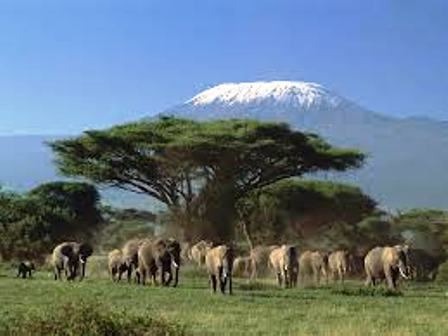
{"points": [[407, 157]]}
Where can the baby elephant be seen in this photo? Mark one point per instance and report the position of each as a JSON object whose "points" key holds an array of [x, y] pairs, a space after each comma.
{"points": [[25, 269]]}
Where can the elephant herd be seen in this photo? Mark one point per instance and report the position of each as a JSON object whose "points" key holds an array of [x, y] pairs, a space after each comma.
{"points": [[158, 260], [291, 267]]}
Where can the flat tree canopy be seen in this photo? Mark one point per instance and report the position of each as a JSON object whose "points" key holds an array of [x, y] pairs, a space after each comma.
{"points": [[185, 164]]}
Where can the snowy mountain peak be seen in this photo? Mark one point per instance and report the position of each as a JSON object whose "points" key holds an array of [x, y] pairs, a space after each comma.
{"points": [[292, 93]]}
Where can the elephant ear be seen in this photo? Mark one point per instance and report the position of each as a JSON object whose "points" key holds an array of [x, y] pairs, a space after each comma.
{"points": [[67, 250], [85, 250]]}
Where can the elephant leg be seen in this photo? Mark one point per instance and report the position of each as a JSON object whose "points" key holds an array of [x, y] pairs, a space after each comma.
{"points": [[222, 284], [154, 278], [83, 271], [142, 277], [285, 275], [370, 280], [213, 282], [230, 285], [389, 278], [176, 277], [162, 277], [279, 278], [129, 273], [170, 278]]}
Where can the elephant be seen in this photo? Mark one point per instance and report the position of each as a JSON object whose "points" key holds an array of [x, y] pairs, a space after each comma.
{"points": [[117, 265], [338, 264], [25, 269], [283, 261], [68, 256], [259, 258], [199, 250], [387, 263], [153, 257], [219, 263], [242, 267], [313, 263], [130, 255], [174, 250]]}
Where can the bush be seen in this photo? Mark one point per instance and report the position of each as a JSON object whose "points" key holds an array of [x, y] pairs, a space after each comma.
{"points": [[442, 275], [84, 318]]}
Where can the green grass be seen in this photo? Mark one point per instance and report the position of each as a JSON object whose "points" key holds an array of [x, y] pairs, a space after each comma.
{"points": [[257, 308]]}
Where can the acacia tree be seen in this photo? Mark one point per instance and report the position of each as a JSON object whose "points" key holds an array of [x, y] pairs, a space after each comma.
{"points": [[198, 169]]}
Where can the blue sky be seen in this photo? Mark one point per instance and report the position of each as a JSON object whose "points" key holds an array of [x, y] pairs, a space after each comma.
{"points": [[66, 66]]}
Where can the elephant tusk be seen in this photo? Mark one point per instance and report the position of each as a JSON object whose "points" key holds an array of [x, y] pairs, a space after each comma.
{"points": [[175, 264], [402, 274]]}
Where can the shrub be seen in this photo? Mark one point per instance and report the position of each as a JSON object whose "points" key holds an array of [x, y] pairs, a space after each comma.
{"points": [[85, 318], [442, 275]]}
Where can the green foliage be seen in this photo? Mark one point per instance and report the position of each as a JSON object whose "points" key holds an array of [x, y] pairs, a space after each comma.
{"points": [[31, 224], [199, 168], [292, 210], [443, 273], [89, 318], [425, 229]]}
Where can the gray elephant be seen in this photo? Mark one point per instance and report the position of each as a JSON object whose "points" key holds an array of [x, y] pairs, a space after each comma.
{"points": [[70, 257], [199, 250], [219, 263], [259, 258], [283, 261], [153, 257], [25, 269], [338, 264], [130, 255], [387, 263], [313, 263], [117, 265], [242, 267], [174, 250]]}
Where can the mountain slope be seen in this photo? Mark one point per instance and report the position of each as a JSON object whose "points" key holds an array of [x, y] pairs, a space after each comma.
{"points": [[407, 157]]}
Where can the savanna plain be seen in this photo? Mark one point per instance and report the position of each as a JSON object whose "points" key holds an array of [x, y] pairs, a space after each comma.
{"points": [[33, 306]]}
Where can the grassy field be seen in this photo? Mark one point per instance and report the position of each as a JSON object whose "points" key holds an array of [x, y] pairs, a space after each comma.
{"points": [[259, 308]]}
